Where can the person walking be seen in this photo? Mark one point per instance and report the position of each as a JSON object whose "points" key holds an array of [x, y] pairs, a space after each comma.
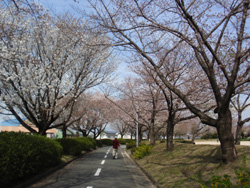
{"points": [[116, 144]]}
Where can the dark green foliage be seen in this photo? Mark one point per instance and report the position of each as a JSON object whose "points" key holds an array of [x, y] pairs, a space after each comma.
{"points": [[75, 146], [245, 139], [107, 142], [122, 141], [93, 142], [70, 146], [22, 156], [130, 145], [130, 141], [87, 143], [209, 136], [99, 143], [184, 141]]}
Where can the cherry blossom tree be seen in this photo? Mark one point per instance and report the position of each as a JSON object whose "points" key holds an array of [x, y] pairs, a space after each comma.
{"points": [[47, 63], [96, 113], [217, 37], [128, 103], [175, 110], [121, 126], [240, 103]]}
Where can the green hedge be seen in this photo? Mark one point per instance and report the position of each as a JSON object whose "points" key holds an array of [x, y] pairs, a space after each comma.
{"points": [[184, 141], [130, 140], [131, 145], [70, 146], [99, 143], [75, 146], [209, 136], [107, 142], [87, 143], [122, 141], [22, 156], [93, 142]]}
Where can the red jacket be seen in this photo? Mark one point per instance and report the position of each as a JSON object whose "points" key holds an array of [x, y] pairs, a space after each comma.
{"points": [[116, 144]]}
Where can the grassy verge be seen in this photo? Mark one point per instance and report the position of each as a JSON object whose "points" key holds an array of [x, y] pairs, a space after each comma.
{"points": [[188, 163]]}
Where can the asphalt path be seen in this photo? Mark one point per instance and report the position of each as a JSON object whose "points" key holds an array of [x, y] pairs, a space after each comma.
{"points": [[98, 169], [214, 142]]}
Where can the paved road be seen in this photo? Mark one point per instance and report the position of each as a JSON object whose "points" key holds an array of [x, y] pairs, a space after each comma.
{"points": [[198, 142], [98, 169]]}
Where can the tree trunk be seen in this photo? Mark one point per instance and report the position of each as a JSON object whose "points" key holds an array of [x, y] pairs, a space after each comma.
{"points": [[239, 128], [170, 137], [140, 138], [224, 129], [238, 133], [152, 135], [139, 134], [193, 138], [64, 131], [42, 131]]}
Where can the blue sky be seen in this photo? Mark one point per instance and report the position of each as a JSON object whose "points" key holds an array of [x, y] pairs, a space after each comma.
{"points": [[64, 5]]}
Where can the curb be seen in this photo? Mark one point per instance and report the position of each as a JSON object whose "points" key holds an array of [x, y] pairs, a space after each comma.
{"points": [[46, 173], [150, 177]]}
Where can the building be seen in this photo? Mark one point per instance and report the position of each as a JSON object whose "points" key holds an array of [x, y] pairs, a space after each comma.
{"points": [[13, 125]]}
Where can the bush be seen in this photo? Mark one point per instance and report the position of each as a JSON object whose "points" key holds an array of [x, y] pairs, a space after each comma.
{"points": [[93, 142], [70, 146], [22, 156], [130, 145], [99, 143], [130, 141], [122, 141], [184, 141], [107, 142], [87, 143], [209, 136], [142, 151]]}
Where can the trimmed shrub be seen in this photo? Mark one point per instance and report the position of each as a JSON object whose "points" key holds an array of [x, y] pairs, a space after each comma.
{"points": [[70, 146], [142, 151], [184, 141], [22, 156], [87, 143], [93, 142], [122, 141], [130, 145], [130, 141], [99, 143], [107, 142], [209, 136]]}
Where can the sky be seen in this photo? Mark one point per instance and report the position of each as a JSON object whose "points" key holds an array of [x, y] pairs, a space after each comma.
{"points": [[64, 5]]}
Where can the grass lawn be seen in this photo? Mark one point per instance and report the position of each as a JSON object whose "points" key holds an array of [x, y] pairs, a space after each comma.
{"points": [[188, 163]]}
